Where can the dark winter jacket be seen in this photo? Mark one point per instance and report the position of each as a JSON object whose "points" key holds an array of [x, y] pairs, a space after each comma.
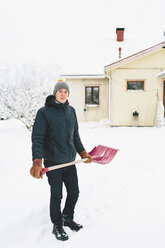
{"points": [[55, 135]]}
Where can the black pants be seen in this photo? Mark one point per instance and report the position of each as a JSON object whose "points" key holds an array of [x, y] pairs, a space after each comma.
{"points": [[68, 175]]}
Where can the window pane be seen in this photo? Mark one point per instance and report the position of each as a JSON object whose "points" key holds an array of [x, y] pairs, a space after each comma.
{"points": [[139, 85], [95, 95], [88, 95], [135, 85], [131, 86]]}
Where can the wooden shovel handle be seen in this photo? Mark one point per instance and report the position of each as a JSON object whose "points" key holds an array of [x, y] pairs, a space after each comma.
{"points": [[55, 167]]}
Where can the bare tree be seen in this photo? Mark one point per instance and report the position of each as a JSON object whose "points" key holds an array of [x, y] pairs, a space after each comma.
{"points": [[23, 90]]}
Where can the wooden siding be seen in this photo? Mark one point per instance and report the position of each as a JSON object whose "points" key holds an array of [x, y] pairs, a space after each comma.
{"points": [[77, 98], [124, 103]]}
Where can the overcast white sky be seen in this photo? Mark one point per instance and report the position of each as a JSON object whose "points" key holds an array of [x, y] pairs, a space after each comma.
{"points": [[66, 32]]}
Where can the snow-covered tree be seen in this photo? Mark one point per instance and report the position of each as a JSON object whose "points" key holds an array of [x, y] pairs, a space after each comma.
{"points": [[23, 90]]}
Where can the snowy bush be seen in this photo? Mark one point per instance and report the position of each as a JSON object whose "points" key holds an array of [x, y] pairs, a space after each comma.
{"points": [[23, 91]]}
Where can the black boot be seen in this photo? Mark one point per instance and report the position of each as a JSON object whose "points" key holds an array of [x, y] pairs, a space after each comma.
{"points": [[59, 232], [71, 224]]}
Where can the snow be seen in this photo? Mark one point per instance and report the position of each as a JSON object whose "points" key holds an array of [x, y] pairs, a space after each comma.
{"points": [[100, 51], [121, 204]]}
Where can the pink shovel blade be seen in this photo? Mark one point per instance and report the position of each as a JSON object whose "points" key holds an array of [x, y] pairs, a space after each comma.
{"points": [[103, 154]]}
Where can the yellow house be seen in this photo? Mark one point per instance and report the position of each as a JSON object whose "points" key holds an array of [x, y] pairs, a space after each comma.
{"points": [[131, 92], [137, 88]]}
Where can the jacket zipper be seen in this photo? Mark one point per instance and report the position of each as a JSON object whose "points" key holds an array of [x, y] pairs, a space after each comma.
{"points": [[67, 128]]}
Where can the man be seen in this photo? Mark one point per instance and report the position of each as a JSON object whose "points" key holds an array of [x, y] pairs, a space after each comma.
{"points": [[55, 138]]}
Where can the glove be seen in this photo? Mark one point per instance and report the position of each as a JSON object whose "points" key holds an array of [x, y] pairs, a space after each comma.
{"points": [[36, 168], [84, 154]]}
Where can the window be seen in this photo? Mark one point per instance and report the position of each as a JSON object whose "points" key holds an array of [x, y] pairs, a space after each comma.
{"points": [[135, 85], [92, 95]]}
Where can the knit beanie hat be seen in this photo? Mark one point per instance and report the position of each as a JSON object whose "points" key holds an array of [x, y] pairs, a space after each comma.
{"points": [[60, 85]]}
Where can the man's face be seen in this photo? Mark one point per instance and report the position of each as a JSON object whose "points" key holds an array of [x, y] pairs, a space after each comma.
{"points": [[61, 95]]}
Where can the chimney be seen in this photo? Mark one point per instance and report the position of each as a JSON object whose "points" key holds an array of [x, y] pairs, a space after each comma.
{"points": [[120, 34]]}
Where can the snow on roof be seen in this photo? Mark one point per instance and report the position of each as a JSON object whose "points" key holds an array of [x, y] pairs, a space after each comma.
{"points": [[83, 76], [97, 52], [161, 74]]}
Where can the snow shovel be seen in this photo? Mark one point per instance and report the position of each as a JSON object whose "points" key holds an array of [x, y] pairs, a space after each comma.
{"points": [[103, 154], [100, 155]]}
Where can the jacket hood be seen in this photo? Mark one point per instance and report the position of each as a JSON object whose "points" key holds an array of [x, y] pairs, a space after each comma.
{"points": [[50, 101]]}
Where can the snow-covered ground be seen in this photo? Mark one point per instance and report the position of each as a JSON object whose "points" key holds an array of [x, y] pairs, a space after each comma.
{"points": [[121, 204]]}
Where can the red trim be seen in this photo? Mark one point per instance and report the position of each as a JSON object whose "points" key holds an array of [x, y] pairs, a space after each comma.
{"points": [[136, 81], [91, 93]]}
